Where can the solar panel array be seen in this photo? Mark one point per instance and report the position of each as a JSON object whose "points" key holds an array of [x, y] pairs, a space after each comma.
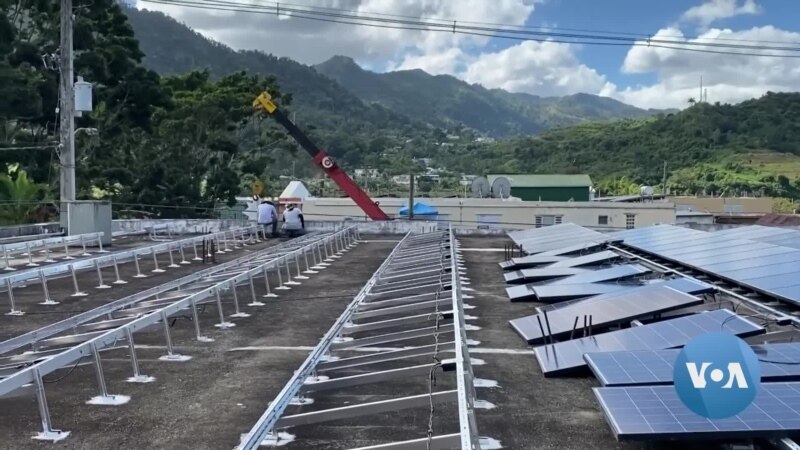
{"points": [[785, 237], [563, 357], [530, 261], [541, 274], [608, 274], [611, 310], [685, 285], [554, 237], [560, 293], [770, 269], [779, 362], [656, 412]]}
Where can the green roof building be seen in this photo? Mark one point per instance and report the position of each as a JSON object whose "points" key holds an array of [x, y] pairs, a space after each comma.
{"points": [[548, 188]]}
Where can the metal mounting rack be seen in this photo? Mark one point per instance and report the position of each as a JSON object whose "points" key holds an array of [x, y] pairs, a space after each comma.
{"points": [[26, 249], [113, 325], [416, 293], [226, 241]]}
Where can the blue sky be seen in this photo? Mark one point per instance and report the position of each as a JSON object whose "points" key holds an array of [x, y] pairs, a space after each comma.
{"points": [[644, 16], [645, 77]]}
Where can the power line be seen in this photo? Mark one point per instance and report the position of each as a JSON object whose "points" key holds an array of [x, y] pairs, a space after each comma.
{"points": [[355, 18], [532, 27]]}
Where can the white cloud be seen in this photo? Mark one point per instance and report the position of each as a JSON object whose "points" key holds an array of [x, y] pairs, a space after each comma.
{"points": [[728, 78], [714, 10], [539, 68], [311, 42]]}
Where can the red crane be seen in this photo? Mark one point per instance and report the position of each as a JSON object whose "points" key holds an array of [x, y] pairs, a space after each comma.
{"points": [[323, 160]]}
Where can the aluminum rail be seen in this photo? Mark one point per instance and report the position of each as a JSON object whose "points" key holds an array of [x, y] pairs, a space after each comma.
{"points": [[404, 290], [29, 237], [34, 336], [468, 428], [33, 374], [270, 417], [27, 248], [41, 275]]}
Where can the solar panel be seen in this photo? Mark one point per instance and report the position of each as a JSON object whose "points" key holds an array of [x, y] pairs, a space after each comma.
{"points": [[564, 357], [583, 247], [530, 261], [587, 260], [553, 237], [611, 310], [608, 274], [778, 363], [656, 413], [558, 293], [550, 294], [685, 285], [726, 254], [545, 273]]}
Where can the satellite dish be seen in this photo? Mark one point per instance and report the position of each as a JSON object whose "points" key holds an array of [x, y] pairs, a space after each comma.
{"points": [[501, 187], [480, 187]]}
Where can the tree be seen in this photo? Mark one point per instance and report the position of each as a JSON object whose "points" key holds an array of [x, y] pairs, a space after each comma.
{"points": [[19, 195]]}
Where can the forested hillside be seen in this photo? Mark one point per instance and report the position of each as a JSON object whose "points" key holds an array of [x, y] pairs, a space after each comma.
{"points": [[444, 100], [750, 147]]}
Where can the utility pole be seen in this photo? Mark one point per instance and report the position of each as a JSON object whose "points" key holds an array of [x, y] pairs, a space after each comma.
{"points": [[66, 109], [664, 180], [411, 196]]}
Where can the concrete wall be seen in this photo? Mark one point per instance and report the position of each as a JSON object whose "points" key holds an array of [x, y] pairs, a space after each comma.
{"points": [[470, 212], [716, 205], [29, 229]]}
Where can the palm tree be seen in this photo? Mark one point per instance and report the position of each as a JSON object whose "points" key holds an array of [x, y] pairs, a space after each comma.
{"points": [[19, 195], [692, 101]]}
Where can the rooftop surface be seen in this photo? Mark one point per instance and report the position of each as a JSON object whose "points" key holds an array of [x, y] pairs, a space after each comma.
{"points": [[210, 400]]}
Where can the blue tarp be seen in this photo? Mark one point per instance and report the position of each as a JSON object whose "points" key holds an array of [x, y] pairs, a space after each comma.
{"points": [[420, 209]]}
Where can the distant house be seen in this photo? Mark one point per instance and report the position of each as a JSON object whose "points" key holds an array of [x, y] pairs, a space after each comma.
{"points": [[548, 188], [368, 173]]}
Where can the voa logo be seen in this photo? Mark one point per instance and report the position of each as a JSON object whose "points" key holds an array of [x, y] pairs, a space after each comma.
{"points": [[717, 375]]}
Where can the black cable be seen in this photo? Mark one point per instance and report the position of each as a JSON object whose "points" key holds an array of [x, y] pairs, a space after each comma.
{"points": [[526, 35], [65, 375]]}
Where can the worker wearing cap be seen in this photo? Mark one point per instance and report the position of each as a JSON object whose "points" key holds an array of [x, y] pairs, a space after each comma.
{"points": [[293, 222], [267, 216]]}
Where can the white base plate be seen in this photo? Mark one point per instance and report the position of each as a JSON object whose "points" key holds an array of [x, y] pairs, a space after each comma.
{"points": [[120, 282], [225, 325], [310, 272], [240, 314], [15, 313], [141, 379], [256, 304], [103, 286], [174, 358], [158, 271], [282, 288], [109, 400], [205, 339], [52, 436], [301, 277], [292, 283], [49, 303], [269, 295], [79, 294]]}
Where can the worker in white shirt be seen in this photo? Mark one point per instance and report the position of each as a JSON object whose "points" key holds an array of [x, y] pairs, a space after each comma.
{"points": [[293, 222], [267, 216]]}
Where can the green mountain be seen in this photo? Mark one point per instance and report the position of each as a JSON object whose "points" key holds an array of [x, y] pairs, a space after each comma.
{"points": [[444, 100], [750, 147], [336, 118], [340, 86]]}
